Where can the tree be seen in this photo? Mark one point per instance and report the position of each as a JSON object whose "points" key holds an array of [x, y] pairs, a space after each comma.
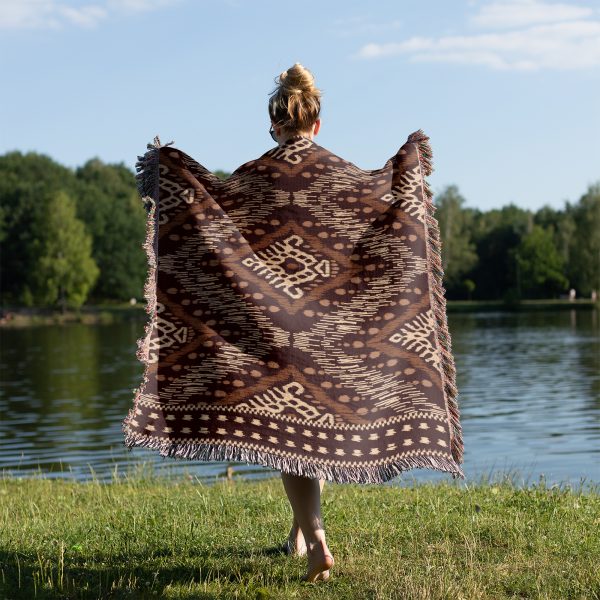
{"points": [[562, 226], [540, 264], [458, 251], [221, 174], [496, 232], [65, 270], [25, 180], [112, 210], [469, 286], [584, 251]]}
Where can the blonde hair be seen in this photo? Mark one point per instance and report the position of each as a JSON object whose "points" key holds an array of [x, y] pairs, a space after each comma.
{"points": [[295, 104]]}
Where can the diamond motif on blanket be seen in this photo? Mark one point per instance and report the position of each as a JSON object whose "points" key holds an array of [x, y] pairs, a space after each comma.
{"points": [[288, 264]]}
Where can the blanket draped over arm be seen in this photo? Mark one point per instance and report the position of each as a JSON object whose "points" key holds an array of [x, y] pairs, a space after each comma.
{"points": [[297, 317]]}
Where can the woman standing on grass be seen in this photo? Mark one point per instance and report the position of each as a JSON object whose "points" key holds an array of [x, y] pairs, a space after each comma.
{"points": [[294, 109], [297, 316]]}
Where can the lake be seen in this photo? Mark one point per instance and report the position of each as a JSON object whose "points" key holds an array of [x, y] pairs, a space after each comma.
{"points": [[529, 396]]}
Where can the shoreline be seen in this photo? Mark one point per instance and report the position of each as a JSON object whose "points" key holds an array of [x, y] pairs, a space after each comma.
{"points": [[102, 314]]}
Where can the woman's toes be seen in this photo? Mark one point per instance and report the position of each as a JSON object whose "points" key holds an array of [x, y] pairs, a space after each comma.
{"points": [[294, 547], [297, 550], [296, 543]]}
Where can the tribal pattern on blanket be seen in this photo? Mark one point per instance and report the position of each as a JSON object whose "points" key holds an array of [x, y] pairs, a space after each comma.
{"points": [[297, 317]]}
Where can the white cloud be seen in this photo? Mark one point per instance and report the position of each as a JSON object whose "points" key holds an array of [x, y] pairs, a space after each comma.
{"points": [[519, 13], [138, 5], [86, 16], [552, 36], [46, 14], [55, 14]]}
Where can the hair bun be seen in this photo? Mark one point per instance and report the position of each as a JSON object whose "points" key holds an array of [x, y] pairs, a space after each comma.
{"points": [[295, 103], [297, 80]]}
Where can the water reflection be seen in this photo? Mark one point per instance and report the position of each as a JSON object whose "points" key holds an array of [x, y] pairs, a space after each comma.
{"points": [[529, 397]]}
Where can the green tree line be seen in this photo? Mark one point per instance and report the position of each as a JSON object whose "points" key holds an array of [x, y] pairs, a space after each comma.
{"points": [[74, 236], [513, 253]]}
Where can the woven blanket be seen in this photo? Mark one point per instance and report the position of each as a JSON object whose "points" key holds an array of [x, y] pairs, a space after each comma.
{"points": [[297, 317]]}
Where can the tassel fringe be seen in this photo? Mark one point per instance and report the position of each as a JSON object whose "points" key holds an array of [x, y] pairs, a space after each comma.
{"points": [[296, 466], [434, 248], [148, 188], [147, 181], [147, 177]]}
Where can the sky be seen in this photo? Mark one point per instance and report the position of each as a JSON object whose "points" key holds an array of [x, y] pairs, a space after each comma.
{"points": [[507, 90]]}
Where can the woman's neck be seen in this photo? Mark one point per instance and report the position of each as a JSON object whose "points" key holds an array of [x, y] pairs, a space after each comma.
{"points": [[295, 135]]}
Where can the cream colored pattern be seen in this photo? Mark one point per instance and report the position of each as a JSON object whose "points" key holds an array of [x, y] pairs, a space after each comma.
{"points": [[415, 335], [277, 399], [290, 152], [269, 264], [408, 194]]}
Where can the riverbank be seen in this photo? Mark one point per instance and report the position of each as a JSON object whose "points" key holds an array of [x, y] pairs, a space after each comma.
{"points": [[111, 313], [145, 537]]}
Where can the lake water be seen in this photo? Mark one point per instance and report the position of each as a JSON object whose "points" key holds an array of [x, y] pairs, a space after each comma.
{"points": [[529, 396]]}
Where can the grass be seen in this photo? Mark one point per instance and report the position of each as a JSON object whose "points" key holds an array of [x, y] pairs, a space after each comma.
{"points": [[150, 536]]}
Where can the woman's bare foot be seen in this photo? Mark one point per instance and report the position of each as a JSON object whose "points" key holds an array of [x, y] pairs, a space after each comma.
{"points": [[295, 541], [320, 560]]}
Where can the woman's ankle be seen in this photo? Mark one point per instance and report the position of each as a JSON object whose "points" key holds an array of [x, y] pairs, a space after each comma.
{"points": [[316, 540]]}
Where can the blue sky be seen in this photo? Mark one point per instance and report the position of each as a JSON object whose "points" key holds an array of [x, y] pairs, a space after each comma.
{"points": [[507, 90]]}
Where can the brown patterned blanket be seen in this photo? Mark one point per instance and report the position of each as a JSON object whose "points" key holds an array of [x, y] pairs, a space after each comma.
{"points": [[297, 317]]}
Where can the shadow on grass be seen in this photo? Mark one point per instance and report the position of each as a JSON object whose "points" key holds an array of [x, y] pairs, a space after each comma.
{"points": [[29, 576]]}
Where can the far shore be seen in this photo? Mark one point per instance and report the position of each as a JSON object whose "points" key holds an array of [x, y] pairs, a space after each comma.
{"points": [[19, 316]]}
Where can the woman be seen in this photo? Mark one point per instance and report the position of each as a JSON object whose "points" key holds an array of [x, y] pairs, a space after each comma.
{"points": [[294, 109], [297, 316]]}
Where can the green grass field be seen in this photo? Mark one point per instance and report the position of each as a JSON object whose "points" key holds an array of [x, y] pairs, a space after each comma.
{"points": [[147, 536]]}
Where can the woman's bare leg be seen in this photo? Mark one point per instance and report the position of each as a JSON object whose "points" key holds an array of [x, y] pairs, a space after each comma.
{"points": [[304, 494], [295, 536]]}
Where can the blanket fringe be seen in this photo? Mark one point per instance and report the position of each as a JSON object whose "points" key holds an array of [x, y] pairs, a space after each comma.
{"points": [[147, 182], [375, 474], [434, 245], [147, 178]]}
